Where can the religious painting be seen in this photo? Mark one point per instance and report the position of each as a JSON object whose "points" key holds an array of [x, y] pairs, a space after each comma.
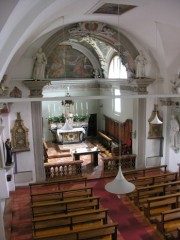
{"points": [[110, 8], [66, 62]]}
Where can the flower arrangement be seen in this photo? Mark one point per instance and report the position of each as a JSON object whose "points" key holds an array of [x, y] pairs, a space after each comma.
{"points": [[62, 119]]}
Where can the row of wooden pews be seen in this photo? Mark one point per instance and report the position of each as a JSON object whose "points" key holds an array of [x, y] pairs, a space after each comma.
{"points": [[62, 211], [158, 195]]}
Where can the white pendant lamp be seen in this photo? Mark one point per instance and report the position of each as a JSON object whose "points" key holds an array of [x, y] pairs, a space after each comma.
{"points": [[156, 120], [119, 185]]}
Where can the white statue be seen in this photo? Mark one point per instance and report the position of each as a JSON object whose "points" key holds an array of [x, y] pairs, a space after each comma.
{"points": [[174, 132], [96, 73], [3, 88], [39, 65], [140, 62], [175, 83]]}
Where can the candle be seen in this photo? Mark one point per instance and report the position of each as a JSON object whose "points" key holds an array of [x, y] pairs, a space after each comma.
{"points": [[82, 108], [76, 107], [49, 110], [87, 106], [54, 108]]}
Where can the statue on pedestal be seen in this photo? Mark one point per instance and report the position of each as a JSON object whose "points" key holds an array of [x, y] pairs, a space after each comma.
{"points": [[8, 152], [39, 65], [140, 62], [174, 132]]}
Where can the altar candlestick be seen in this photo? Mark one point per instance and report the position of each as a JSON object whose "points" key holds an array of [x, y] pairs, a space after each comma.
{"points": [[76, 108], [82, 107], [87, 106], [48, 110]]}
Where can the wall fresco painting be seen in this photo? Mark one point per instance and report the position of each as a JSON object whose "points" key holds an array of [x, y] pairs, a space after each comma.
{"points": [[65, 62]]}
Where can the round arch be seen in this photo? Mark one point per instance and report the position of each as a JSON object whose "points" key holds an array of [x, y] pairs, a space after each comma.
{"points": [[103, 32]]}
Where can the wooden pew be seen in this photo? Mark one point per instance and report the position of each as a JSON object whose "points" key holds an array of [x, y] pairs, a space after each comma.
{"points": [[175, 235], [104, 232], [152, 180], [62, 195], [70, 221], [55, 184], [145, 171], [155, 179], [168, 221], [141, 194], [155, 205], [66, 206]]}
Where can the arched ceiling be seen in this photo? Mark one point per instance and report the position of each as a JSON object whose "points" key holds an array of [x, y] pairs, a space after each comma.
{"points": [[148, 25]]}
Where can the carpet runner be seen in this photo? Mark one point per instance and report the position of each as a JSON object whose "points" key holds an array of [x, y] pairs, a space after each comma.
{"points": [[132, 225]]}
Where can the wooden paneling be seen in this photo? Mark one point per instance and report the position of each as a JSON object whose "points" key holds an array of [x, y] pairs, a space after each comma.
{"points": [[119, 131]]}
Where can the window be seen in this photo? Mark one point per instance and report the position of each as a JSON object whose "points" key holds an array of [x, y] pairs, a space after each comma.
{"points": [[117, 101], [117, 69]]}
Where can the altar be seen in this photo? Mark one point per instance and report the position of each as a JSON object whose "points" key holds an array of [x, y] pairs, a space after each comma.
{"points": [[74, 135]]}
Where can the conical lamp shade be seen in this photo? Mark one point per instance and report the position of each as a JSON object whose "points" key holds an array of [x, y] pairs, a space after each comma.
{"points": [[156, 120], [119, 185]]}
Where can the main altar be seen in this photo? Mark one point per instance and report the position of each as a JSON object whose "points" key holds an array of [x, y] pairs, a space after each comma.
{"points": [[69, 132], [69, 127], [74, 135]]}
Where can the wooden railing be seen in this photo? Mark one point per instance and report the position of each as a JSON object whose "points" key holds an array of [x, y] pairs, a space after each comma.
{"points": [[62, 170], [105, 140], [112, 164]]}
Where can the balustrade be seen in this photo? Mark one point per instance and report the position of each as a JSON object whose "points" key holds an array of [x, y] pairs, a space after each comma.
{"points": [[112, 164], [63, 170]]}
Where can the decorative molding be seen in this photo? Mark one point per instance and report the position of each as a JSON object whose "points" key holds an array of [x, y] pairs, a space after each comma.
{"points": [[36, 87], [138, 86]]}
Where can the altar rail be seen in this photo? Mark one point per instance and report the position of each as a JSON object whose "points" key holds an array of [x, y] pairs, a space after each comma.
{"points": [[63, 170], [105, 140], [112, 164]]}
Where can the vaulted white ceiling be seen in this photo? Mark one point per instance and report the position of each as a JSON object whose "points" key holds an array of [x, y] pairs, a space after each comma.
{"points": [[154, 26]]}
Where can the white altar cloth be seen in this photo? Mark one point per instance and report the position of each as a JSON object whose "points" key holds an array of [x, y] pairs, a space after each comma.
{"points": [[72, 130]]}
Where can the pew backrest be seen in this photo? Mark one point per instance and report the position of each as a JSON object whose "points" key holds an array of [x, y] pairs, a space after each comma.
{"points": [[40, 208], [70, 220], [168, 201], [155, 179], [168, 221], [109, 229], [150, 191], [61, 195], [55, 184]]}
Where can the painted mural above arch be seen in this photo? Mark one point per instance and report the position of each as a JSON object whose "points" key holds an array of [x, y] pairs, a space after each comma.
{"points": [[64, 61], [95, 33]]}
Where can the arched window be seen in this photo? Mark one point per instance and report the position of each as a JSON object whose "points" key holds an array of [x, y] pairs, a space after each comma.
{"points": [[117, 69]]}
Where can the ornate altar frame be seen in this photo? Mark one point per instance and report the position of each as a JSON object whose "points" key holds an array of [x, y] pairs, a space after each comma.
{"points": [[19, 133]]}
